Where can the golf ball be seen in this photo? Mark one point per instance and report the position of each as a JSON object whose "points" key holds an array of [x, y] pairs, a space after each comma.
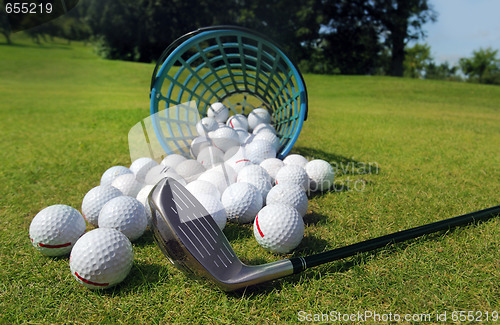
{"points": [[172, 160], [126, 214], [258, 177], [199, 186], [128, 184], [272, 165], [258, 116], [238, 121], [113, 172], [289, 194], [198, 144], [189, 169], [321, 175], [210, 156], [141, 166], [259, 149], [242, 201], [143, 198], [278, 228], [218, 111], [293, 174], [215, 208], [206, 125], [224, 138], [55, 229], [95, 199], [295, 159], [101, 258]]}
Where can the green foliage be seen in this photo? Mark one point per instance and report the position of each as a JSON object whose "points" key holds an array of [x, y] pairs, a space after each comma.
{"points": [[482, 67], [417, 58]]}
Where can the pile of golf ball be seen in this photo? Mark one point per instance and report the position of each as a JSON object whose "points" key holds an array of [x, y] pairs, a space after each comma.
{"points": [[233, 171]]}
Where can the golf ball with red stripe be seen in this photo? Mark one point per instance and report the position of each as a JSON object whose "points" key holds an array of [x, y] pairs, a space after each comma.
{"points": [[101, 258], [55, 229], [278, 228]]}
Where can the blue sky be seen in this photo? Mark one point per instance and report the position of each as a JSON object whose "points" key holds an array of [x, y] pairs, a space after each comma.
{"points": [[462, 27]]}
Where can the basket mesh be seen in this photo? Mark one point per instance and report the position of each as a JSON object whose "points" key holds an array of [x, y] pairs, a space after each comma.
{"points": [[238, 67]]}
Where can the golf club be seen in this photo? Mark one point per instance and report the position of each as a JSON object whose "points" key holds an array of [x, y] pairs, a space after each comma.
{"points": [[193, 242]]}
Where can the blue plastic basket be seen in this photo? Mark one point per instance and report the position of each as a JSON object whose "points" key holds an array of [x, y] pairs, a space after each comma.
{"points": [[233, 65]]}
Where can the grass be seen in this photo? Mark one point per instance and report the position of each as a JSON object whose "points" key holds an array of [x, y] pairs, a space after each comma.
{"points": [[433, 151]]}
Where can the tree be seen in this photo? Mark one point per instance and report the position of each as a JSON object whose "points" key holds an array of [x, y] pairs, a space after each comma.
{"points": [[417, 59], [482, 67], [401, 21], [5, 26], [443, 71]]}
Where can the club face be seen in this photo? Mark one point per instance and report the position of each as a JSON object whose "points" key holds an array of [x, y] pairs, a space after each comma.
{"points": [[189, 236]]}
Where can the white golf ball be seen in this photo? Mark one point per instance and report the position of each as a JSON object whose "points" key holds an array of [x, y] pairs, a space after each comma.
{"points": [[215, 208], [243, 136], [321, 175], [206, 125], [237, 121], [210, 156], [198, 144], [258, 150], [272, 165], [263, 127], [128, 184], [143, 198], [237, 160], [218, 111], [126, 214], [95, 199], [289, 194], [55, 229], [258, 177], [295, 159], [199, 186], [189, 169], [269, 136], [293, 174], [258, 116], [141, 166], [224, 138], [173, 160], [229, 173], [113, 172], [278, 228], [101, 258], [242, 201], [217, 178], [158, 173]]}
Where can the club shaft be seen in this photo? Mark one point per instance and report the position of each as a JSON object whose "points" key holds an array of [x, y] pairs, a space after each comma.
{"points": [[301, 263]]}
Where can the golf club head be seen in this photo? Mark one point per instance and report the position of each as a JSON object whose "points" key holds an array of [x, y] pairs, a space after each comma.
{"points": [[188, 235]]}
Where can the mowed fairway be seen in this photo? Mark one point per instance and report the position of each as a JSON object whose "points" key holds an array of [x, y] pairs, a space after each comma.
{"points": [[407, 152]]}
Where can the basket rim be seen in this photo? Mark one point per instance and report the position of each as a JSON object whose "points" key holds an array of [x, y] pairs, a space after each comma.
{"points": [[198, 31]]}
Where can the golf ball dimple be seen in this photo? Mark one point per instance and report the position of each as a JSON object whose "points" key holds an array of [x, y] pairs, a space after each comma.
{"points": [[293, 174], [126, 214], [128, 184], [242, 201], [95, 199], [113, 172], [101, 258], [278, 228], [321, 175], [55, 229], [289, 194]]}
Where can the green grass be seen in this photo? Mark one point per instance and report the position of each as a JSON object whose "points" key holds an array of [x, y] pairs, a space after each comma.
{"points": [[434, 153]]}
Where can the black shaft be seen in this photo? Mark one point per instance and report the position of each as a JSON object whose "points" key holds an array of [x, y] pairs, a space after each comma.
{"points": [[301, 263]]}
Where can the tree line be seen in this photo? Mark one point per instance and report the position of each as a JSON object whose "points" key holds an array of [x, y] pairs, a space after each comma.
{"points": [[322, 36]]}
